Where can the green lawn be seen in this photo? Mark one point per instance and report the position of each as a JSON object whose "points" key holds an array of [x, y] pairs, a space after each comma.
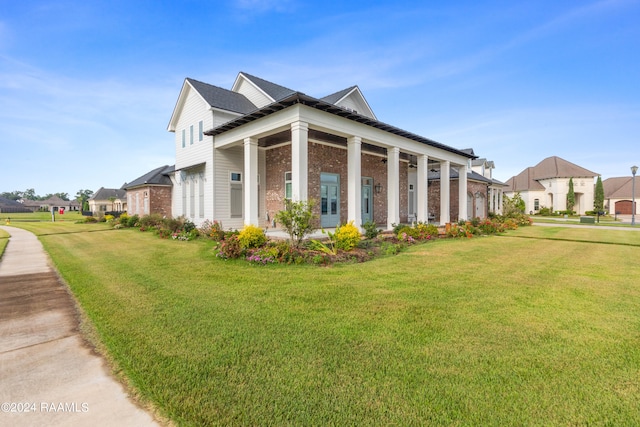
{"points": [[507, 330]]}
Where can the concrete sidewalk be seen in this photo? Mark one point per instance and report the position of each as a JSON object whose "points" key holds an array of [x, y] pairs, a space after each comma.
{"points": [[48, 374]]}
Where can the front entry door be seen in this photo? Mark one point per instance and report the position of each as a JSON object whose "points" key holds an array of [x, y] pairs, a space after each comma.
{"points": [[367, 200], [329, 200]]}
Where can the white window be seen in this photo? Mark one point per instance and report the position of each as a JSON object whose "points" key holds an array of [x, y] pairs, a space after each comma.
{"points": [[235, 177], [235, 194], [200, 131], [191, 135], [184, 197], [184, 138], [287, 185], [192, 198], [201, 196]]}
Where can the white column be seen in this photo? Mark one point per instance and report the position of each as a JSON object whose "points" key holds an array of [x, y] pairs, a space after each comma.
{"points": [[354, 176], [423, 188], [462, 193], [299, 161], [251, 181], [445, 192], [393, 186]]}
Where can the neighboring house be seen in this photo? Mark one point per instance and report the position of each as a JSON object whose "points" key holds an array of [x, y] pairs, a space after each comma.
{"points": [[54, 202], [618, 195], [496, 188], [12, 206], [241, 152], [547, 185], [150, 193], [108, 200]]}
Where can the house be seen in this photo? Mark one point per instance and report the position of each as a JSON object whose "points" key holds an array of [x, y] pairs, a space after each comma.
{"points": [[12, 206], [495, 189], [618, 195], [150, 193], [53, 202], [547, 185], [108, 200], [241, 152]]}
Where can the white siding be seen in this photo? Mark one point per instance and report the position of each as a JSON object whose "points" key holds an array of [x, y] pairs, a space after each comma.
{"points": [[192, 112], [227, 161], [253, 94]]}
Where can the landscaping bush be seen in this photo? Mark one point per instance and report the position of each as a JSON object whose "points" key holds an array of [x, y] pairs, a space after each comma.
{"points": [[297, 219], [212, 229], [132, 221], [426, 231], [370, 230], [252, 237], [347, 236], [230, 247], [407, 231]]}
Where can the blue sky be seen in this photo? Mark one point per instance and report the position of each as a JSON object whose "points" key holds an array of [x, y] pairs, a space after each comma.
{"points": [[87, 88]]}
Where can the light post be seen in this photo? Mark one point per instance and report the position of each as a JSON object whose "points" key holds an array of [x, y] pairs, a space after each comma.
{"points": [[634, 169]]}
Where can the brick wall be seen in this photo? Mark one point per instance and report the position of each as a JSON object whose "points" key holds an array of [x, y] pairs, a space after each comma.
{"points": [[159, 200], [434, 198], [330, 159]]}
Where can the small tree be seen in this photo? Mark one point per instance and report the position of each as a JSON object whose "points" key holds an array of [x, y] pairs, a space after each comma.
{"points": [[598, 199], [297, 219], [514, 206], [571, 196]]}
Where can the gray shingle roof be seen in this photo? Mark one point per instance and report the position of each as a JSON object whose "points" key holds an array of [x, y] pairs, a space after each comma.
{"points": [[335, 97], [222, 98], [275, 91], [158, 176], [106, 193], [453, 174]]}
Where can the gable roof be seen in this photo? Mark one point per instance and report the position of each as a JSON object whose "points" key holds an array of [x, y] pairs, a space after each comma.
{"points": [[335, 97], [355, 94], [551, 167], [106, 193], [157, 177], [275, 91], [224, 99]]}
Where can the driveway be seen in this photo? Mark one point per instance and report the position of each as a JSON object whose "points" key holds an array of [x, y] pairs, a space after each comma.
{"points": [[48, 374]]}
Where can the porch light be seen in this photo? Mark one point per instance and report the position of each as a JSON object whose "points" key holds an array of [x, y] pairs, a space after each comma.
{"points": [[378, 188]]}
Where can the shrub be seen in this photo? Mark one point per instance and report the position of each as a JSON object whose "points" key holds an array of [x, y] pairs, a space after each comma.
{"points": [[132, 221], [370, 230], [426, 231], [347, 236], [229, 248], [151, 221], [297, 219], [407, 231], [212, 229], [252, 237]]}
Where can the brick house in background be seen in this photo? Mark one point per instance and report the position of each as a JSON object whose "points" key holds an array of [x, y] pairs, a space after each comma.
{"points": [[241, 152], [150, 193], [108, 200]]}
